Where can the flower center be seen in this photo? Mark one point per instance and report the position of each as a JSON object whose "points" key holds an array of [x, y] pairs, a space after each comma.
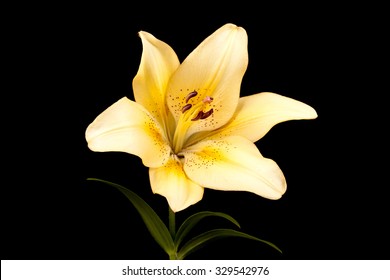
{"points": [[190, 113]]}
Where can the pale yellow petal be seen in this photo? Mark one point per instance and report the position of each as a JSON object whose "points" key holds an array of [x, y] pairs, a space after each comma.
{"points": [[171, 182], [127, 127], [257, 114], [234, 164], [158, 62], [215, 69]]}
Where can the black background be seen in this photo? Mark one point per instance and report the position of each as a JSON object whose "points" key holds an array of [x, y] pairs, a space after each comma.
{"points": [[71, 63]]}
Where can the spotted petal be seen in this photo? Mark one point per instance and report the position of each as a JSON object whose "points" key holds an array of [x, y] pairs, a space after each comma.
{"points": [[215, 69], [126, 126], [233, 164], [171, 182]]}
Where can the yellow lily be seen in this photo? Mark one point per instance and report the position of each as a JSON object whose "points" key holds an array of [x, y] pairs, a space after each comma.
{"points": [[189, 125]]}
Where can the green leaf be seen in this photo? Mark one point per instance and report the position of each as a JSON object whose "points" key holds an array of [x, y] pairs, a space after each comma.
{"points": [[200, 240], [155, 225], [191, 221]]}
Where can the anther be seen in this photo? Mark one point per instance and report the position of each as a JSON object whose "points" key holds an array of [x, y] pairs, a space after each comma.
{"points": [[198, 116], [190, 95], [207, 114], [186, 107]]}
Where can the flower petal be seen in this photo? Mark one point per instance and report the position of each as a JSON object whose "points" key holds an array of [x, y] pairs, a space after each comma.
{"points": [[158, 62], [171, 182], [127, 127], [257, 114], [215, 69], [233, 164]]}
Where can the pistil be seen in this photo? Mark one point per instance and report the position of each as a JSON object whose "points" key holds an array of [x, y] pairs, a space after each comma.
{"points": [[190, 113]]}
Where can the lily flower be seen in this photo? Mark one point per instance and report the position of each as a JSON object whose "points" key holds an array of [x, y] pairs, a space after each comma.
{"points": [[189, 125]]}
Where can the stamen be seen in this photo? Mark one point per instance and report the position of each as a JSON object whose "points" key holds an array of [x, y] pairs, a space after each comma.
{"points": [[207, 114], [186, 107], [208, 99], [198, 116], [190, 95]]}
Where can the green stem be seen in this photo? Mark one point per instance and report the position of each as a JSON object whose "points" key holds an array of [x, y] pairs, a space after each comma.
{"points": [[172, 223], [172, 231]]}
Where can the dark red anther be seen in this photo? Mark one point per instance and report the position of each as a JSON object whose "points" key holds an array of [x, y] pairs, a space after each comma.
{"points": [[190, 95], [186, 107], [207, 114], [198, 116]]}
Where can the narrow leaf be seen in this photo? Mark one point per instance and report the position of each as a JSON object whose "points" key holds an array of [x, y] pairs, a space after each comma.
{"points": [[191, 221], [202, 239], [155, 225]]}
